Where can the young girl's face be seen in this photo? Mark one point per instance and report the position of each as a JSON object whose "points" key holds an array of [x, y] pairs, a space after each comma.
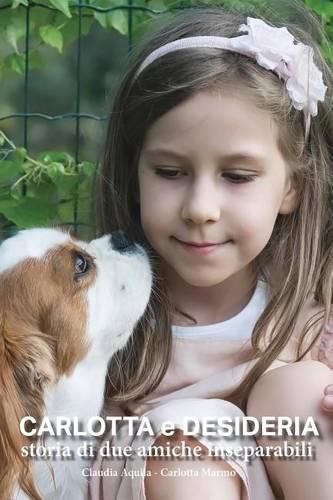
{"points": [[210, 171]]}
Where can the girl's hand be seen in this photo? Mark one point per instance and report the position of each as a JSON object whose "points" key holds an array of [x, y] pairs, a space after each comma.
{"points": [[327, 401]]}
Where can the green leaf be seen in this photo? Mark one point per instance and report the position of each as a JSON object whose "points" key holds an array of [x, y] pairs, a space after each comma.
{"points": [[70, 29], [56, 171], [6, 204], [30, 212], [48, 157], [16, 62], [118, 20], [101, 18], [62, 5], [15, 31], [45, 157], [16, 3], [45, 191], [9, 170], [67, 184], [52, 36]]}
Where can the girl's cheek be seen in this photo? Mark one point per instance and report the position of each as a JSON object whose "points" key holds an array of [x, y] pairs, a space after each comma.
{"points": [[257, 223]]}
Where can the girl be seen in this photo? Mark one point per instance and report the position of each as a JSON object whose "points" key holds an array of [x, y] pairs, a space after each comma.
{"points": [[219, 159]]}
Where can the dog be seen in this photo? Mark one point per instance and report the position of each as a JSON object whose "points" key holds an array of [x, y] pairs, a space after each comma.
{"points": [[66, 306]]}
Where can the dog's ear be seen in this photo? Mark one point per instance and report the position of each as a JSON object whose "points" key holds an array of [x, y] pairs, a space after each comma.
{"points": [[20, 395]]}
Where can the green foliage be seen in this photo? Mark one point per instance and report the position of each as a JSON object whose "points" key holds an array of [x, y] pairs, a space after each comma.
{"points": [[43, 190], [52, 35], [62, 5], [51, 187], [54, 23], [323, 8]]}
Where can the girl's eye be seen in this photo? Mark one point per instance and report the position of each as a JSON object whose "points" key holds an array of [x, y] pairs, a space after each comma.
{"points": [[169, 173], [239, 178], [174, 173]]}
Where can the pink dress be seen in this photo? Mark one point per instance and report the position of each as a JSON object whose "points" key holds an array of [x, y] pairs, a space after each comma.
{"points": [[207, 363]]}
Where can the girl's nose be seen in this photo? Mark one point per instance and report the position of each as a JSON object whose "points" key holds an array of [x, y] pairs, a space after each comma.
{"points": [[201, 205]]}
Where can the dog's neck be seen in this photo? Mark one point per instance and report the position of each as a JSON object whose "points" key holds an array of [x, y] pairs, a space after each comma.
{"points": [[81, 393]]}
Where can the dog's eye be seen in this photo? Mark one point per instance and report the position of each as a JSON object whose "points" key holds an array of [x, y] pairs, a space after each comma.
{"points": [[82, 265]]}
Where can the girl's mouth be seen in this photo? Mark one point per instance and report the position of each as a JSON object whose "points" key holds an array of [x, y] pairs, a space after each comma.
{"points": [[199, 249]]}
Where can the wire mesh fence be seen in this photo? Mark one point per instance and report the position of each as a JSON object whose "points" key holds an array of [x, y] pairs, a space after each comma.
{"points": [[49, 140]]}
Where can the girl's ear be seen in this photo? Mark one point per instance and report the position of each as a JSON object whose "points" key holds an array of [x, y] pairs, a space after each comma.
{"points": [[291, 197]]}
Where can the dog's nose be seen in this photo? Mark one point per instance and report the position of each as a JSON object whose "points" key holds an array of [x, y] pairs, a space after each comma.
{"points": [[120, 242]]}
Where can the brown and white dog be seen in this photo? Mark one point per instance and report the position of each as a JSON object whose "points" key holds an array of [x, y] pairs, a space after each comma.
{"points": [[66, 307]]}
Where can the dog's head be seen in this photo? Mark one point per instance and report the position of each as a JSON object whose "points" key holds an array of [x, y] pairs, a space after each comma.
{"points": [[61, 300]]}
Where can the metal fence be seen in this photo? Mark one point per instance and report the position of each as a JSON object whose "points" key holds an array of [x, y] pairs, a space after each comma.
{"points": [[25, 115]]}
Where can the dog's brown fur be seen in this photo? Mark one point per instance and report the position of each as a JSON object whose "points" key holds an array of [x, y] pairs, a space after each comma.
{"points": [[42, 337]]}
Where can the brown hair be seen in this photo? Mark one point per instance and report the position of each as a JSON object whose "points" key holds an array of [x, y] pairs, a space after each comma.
{"points": [[297, 261]]}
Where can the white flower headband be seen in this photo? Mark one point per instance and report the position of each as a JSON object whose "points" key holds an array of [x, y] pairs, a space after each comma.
{"points": [[274, 49]]}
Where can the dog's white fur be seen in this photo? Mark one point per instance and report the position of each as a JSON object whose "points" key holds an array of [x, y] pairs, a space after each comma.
{"points": [[114, 303]]}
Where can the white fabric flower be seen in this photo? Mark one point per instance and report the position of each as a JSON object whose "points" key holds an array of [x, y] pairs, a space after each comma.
{"points": [[275, 49]]}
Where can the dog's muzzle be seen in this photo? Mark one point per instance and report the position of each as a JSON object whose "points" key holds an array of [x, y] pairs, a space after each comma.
{"points": [[121, 243]]}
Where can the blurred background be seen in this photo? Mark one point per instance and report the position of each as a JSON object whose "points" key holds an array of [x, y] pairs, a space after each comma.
{"points": [[60, 63]]}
